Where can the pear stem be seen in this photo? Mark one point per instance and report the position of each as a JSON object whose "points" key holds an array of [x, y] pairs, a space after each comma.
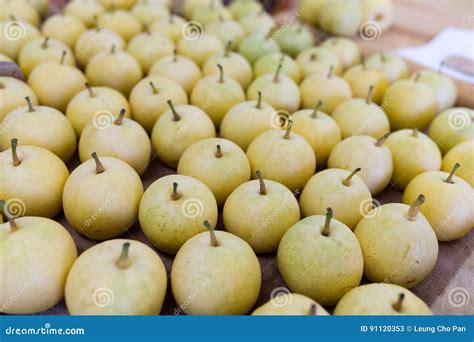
{"points": [[112, 49], [369, 94], [276, 78], [451, 174], [176, 116], [331, 68], [259, 100], [175, 195], [218, 153], [2, 86], [314, 115], [146, 29], [13, 224], [414, 133], [153, 88], [99, 168], [214, 242], [227, 48], [415, 207], [263, 188], [30, 104], [175, 55], [119, 119], [380, 141], [288, 129], [63, 57], [124, 261], [313, 57], [221, 73], [347, 181], [327, 223], [398, 305], [312, 310], [14, 144], [45, 43], [91, 91], [417, 77]]}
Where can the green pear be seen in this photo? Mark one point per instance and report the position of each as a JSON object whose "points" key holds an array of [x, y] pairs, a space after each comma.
{"points": [[398, 244], [256, 45], [101, 197], [461, 153], [227, 31], [222, 274], [413, 153], [149, 47], [218, 163], [369, 152], [172, 209], [199, 47], [341, 18], [449, 205], [170, 26], [443, 87], [261, 217], [320, 257], [290, 304], [64, 28], [381, 299], [366, 82], [117, 277], [86, 11], [336, 188], [243, 8], [393, 66], [260, 23], [47, 253], [319, 60], [95, 40], [269, 63], [177, 129], [347, 50], [13, 93], [21, 32], [294, 38]]}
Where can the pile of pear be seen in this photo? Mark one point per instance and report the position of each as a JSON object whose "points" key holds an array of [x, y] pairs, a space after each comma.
{"points": [[286, 140]]}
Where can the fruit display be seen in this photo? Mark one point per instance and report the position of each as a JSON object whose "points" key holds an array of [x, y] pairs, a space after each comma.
{"points": [[261, 167]]}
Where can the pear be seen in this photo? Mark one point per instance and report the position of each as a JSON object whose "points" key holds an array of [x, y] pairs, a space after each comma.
{"points": [[227, 31], [371, 153], [256, 45], [177, 129], [451, 127], [449, 205], [190, 6], [113, 208], [123, 139], [413, 153], [398, 244], [235, 65], [40, 5], [277, 90], [148, 99], [361, 117], [5, 58], [393, 66], [64, 28], [336, 188], [260, 212], [56, 84], [209, 14], [20, 10], [95, 104], [172, 209], [114, 4], [381, 299], [294, 38], [218, 163], [341, 18], [309, 10], [15, 35], [243, 8], [178, 68], [39, 126], [320, 257], [346, 49], [319, 60], [86, 11], [290, 304], [199, 46], [13, 93], [47, 253], [461, 153], [260, 23], [42, 50], [378, 11], [361, 79], [170, 26], [101, 279], [247, 120], [209, 267], [443, 87], [46, 174], [115, 69], [331, 90], [319, 130], [149, 47], [284, 157], [93, 41], [122, 22], [148, 12], [217, 94], [409, 104], [268, 63]]}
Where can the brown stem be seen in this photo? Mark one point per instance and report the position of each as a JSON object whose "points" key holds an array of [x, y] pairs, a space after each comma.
{"points": [[214, 242], [91, 91], [45, 43], [175, 195], [2, 86], [319, 104], [99, 168], [123, 260], [30, 104], [380, 141], [369, 94], [153, 88], [415, 207], [14, 144], [63, 57], [259, 100], [119, 119], [397, 306], [313, 57], [218, 153], [112, 49], [451, 174], [176, 116], [13, 225], [288, 129], [331, 68], [221, 73], [327, 223], [347, 181], [175, 55], [146, 29], [263, 189], [227, 48], [312, 310], [276, 78]]}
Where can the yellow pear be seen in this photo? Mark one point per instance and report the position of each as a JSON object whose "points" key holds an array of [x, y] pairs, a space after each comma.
{"points": [[398, 244], [381, 299], [148, 12], [413, 153], [340, 18], [39, 126], [462, 153], [13, 93], [260, 23], [449, 205], [121, 22], [65, 28], [217, 94], [294, 38], [149, 47], [393, 66], [228, 31], [123, 139], [5, 58], [95, 104], [268, 63], [361, 79], [198, 46], [86, 11], [120, 4], [171, 26], [290, 304], [284, 157], [319, 60], [218, 163], [309, 10], [172, 210], [368, 153], [93, 41], [347, 50], [209, 14], [177, 129], [443, 87], [258, 44], [378, 11], [260, 212], [339, 189], [21, 10], [320, 257], [15, 35], [47, 253], [41, 195], [148, 99], [190, 6], [40, 5], [113, 207], [101, 279], [209, 267]]}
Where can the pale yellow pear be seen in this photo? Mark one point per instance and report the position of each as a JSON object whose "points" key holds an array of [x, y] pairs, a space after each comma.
{"points": [[464, 154], [64, 28], [347, 50], [171, 26], [16, 34], [122, 22], [149, 12], [319, 60], [290, 304], [13, 93], [269, 63], [393, 66], [443, 87], [84, 11], [149, 47], [361, 79], [95, 40], [199, 48], [20, 10]]}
